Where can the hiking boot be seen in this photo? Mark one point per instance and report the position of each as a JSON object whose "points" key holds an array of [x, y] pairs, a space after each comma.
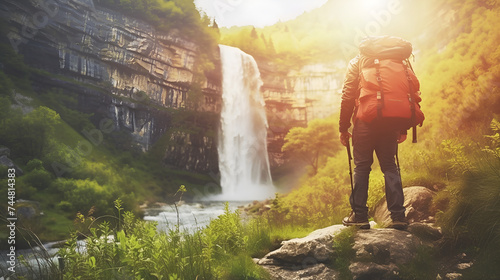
{"points": [[356, 220], [399, 223]]}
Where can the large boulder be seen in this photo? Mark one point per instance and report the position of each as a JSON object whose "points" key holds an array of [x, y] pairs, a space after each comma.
{"points": [[417, 202], [379, 252], [303, 258], [314, 248]]}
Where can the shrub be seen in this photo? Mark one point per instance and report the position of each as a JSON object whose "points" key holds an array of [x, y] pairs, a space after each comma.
{"points": [[65, 206], [34, 164], [84, 195], [471, 219], [40, 179], [224, 235]]}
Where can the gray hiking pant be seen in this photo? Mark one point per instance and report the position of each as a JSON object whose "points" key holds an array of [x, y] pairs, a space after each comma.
{"points": [[382, 139]]}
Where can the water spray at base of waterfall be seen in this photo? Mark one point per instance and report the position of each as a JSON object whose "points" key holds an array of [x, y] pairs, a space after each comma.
{"points": [[242, 147]]}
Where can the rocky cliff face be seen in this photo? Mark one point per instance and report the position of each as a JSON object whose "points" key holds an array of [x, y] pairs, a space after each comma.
{"points": [[122, 68], [296, 97]]}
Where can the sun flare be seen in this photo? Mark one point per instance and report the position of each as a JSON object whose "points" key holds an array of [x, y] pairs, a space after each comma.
{"points": [[373, 4]]}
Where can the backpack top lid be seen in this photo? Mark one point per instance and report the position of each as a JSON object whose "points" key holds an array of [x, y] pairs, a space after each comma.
{"points": [[385, 47]]}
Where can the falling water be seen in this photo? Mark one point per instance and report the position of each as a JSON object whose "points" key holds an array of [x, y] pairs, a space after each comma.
{"points": [[243, 158]]}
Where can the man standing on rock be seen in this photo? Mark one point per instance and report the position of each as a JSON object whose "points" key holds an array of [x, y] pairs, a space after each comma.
{"points": [[376, 77]]}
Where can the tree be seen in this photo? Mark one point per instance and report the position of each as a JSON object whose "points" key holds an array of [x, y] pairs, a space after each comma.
{"points": [[313, 143]]}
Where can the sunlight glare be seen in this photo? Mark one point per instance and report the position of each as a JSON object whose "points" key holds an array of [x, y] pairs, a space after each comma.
{"points": [[373, 4]]}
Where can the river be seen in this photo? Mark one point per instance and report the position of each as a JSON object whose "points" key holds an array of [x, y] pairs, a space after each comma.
{"points": [[192, 216]]}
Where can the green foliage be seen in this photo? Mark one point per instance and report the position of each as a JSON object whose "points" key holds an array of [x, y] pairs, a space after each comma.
{"points": [[457, 158], [343, 251], [30, 136], [474, 208], [422, 266], [224, 235], [243, 267], [39, 178], [284, 45], [139, 251], [66, 105], [461, 99], [260, 239], [34, 164], [313, 143], [84, 194], [258, 46]]}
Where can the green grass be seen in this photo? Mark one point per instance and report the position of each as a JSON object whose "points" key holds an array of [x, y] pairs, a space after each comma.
{"points": [[423, 266], [242, 267], [218, 251], [343, 252], [265, 237], [57, 225], [470, 222]]}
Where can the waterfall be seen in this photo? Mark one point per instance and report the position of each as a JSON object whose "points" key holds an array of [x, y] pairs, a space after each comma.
{"points": [[242, 148]]}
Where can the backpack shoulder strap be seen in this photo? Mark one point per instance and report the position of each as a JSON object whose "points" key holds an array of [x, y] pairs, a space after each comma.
{"points": [[380, 92], [411, 98]]}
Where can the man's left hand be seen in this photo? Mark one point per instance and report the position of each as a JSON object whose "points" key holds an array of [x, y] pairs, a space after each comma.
{"points": [[344, 138], [401, 138]]}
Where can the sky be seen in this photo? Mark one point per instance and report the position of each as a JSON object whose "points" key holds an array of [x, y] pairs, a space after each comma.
{"points": [[258, 13]]}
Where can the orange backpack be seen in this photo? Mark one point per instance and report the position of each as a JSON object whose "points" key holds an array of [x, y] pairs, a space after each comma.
{"points": [[389, 88]]}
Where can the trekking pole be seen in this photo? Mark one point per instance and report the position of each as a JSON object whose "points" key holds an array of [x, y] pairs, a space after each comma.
{"points": [[350, 166], [397, 165]]}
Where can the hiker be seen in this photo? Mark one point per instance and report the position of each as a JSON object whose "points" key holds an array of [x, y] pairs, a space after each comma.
{"points": [[373, 78]]}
